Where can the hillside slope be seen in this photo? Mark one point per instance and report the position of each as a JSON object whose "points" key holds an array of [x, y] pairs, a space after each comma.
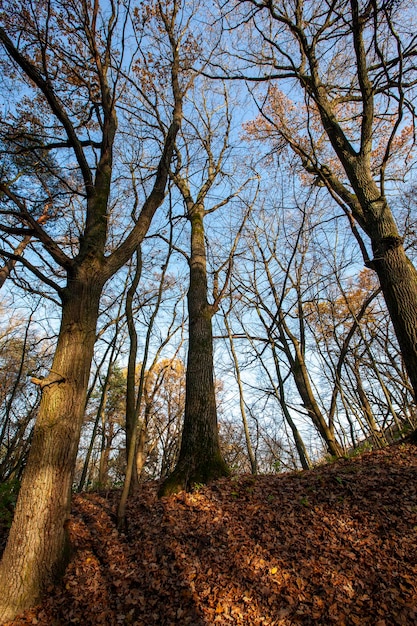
{"points": [[335, 545]]}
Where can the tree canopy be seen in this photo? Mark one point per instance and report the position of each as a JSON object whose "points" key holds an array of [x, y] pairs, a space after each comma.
{"points": [[207, 243]]}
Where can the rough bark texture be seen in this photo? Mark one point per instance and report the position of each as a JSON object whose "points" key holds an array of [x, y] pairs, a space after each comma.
{"points": [[398, 279], [36, 546], [200, 459], [35, 552]]}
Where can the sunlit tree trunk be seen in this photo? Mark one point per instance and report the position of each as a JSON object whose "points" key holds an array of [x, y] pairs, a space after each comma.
{"points": [[35, 550]]}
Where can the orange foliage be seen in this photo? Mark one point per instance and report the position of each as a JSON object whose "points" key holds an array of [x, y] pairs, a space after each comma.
{"points": [[336, 316], [287, 124]]}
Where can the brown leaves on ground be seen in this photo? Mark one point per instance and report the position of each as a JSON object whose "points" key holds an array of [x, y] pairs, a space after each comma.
{"points": [[335, 545]]}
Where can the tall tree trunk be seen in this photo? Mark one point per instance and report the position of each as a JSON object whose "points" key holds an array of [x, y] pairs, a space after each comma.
{"points": [[200, 458], [35, 552], [357, 139], [396, 273], [398, 279], [131, 400]]}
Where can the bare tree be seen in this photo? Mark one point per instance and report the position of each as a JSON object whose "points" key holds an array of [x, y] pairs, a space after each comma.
{"points": [[349, 67], [205, 139]]}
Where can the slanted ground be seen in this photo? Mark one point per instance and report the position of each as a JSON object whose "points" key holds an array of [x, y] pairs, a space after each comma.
{"points": [[335, 545]]}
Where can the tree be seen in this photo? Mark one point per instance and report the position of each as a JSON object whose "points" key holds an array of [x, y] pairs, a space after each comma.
{"points": [[136, 387], [277, 288], [337, 323], [237, 373], [207, 130], [200, 458], [9, 265], [68, 60], [162, 415], [349, 66]]}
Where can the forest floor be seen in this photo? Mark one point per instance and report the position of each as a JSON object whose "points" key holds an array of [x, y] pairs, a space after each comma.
{"points": [[334, 545]]}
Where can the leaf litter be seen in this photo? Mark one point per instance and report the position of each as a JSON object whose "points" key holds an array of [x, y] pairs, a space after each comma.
{"points": [[333, 545]]}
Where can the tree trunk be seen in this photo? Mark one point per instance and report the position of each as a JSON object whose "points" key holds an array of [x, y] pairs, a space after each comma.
{"points": [[280, 392], [131, 400], [200, 459], [304, 389], [35, 553], [398, 278], [302, 382], [396, 273]]}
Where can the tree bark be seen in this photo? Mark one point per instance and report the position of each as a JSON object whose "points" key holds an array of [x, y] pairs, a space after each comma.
{"points": [[200, 458], [398, 279], [36, 550]]}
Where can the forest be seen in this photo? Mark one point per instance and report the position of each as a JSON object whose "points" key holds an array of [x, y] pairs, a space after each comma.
{"points": [[208, 292]]}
